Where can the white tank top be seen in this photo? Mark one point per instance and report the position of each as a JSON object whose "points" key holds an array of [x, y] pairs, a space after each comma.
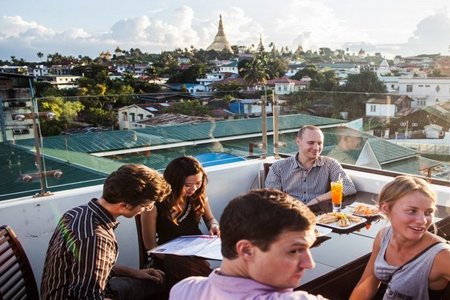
{"points": [[411, 280]]}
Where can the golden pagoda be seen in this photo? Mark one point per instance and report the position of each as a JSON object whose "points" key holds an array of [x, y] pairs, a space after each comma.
{"points": [[220, 41]]}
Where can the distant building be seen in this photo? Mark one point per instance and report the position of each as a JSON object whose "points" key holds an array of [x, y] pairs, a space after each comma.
{"points": [[220, 40], [285, 85], [15, 98], [40, 70], [129, 114], [425, 91], [387, 107], [210, 78], [61, 82], [230, 68]]}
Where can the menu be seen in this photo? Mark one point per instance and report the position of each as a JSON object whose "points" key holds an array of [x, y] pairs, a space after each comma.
{"points": [[205, 246]]}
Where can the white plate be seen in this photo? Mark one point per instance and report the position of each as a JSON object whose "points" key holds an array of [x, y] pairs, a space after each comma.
{"points": [[323, 231], [352, 210], [335, 226]]}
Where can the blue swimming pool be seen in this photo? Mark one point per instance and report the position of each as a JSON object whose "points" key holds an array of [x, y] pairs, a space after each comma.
{"points": [[217, 158]]}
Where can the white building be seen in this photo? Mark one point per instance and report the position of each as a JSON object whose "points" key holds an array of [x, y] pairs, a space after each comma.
{"points": [[40, 70], [294, 68], [380, 108], [425, 91], [210, 78], [230, 68], [62, 82], [129, 114], [285, 85], [433, 131]]}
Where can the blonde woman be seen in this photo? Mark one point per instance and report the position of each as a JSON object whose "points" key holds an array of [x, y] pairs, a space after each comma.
{"points": [[409, 261]]}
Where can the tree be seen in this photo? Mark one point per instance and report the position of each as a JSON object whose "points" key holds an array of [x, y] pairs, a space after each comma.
{"points": [[188, 107], [40, 55], [276, 68], [229, 88], [256, 70], [66, 113], [359, 88]]}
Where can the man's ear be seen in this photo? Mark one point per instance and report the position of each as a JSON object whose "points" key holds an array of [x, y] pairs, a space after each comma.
{"points": [[245, 249], [123, 205], [297, 141]]}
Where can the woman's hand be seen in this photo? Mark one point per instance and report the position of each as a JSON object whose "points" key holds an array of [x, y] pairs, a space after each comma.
{"points": [[214, 229]]}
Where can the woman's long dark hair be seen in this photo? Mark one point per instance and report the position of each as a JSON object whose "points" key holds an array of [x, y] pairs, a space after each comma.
{"points": [[175, 174]]}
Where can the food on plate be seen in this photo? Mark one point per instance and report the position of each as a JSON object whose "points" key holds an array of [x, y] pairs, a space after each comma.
{"points": [[342, 219], [343, 222], [362, 209], [328, 218], [354, 219]]}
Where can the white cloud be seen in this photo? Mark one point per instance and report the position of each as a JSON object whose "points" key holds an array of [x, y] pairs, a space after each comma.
{"points": [[312, 24]]}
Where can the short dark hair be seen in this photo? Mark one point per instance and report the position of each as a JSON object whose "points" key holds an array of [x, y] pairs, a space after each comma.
{"points": [[260, 216], [306, 127], [134, 184]]}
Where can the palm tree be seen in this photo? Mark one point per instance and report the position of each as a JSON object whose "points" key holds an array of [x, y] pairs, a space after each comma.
{"points": [[256, 71], [40, 55]]}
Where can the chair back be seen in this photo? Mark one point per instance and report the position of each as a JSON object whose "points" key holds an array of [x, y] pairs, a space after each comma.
{"points": [[143, 256], [16, 276]]}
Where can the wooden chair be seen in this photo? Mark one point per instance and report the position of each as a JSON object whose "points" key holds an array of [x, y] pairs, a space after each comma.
{"points": [[16, 276], [143, 256]]}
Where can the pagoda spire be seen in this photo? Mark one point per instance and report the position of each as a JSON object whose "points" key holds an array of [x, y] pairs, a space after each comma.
{"points": [[260, 46], [220, 42]]}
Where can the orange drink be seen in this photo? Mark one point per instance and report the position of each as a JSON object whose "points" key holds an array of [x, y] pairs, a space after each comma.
{"points": [[336, 195]]}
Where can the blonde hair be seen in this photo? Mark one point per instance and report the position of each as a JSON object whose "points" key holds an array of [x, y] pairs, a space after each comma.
{"points": [[403, 185]]}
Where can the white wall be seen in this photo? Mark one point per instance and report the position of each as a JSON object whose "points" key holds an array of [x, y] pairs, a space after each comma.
{"points": [[35, 219]]}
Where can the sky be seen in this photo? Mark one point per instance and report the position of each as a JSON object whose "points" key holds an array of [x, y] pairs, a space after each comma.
{"points": [[88, 27]]}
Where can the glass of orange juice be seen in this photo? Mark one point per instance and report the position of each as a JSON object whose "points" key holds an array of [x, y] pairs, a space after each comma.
{"points": [[336, 195]]}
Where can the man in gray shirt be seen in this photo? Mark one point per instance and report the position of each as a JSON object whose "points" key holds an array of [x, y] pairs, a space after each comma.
{"points": [[307, 175]]}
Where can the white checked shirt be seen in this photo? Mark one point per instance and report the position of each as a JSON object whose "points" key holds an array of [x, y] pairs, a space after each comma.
{"points": [[289, 175]]}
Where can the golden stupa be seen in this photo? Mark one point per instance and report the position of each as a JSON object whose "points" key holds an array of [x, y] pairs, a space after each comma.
{"points": [[220, 41]]}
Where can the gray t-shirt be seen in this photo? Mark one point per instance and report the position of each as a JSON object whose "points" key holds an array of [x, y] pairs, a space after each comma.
{"points": [[411, 281]]}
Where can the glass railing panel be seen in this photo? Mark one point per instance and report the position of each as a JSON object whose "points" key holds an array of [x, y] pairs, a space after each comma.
{"points": [[94, 135]]}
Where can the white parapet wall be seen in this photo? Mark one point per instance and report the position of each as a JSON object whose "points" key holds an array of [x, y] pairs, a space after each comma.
{"points": [[35, 219]]}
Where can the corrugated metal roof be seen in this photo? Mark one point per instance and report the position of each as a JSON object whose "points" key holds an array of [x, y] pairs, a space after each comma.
{"points": [[386, 151], [414, 165], [119, 140]]}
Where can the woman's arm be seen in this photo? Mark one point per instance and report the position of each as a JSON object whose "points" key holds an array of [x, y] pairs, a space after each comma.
{"points": [[368, 285], [440, 271], [148, 223], [210, 222]]}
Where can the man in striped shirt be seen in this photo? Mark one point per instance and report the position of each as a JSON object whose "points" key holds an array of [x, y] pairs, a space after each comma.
{"points": [[83, 250], [307, 175]]}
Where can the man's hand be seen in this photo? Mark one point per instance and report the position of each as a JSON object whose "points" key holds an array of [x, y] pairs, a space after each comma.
{"points": [[151, 274]]}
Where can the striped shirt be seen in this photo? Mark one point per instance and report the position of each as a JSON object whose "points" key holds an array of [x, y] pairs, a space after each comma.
{"points": [[81, 254], [290, 176]]}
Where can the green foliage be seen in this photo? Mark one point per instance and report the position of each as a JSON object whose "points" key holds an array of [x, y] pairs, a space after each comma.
{"points": [[320, 81], [358, 88], [66, 113], [229, 88], [188, 107], [101, 117], [189, 75], [256, 70]]}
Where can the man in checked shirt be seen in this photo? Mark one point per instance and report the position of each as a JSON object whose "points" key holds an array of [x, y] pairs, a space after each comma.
{"points": [[82, 252], [307, 175]]}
